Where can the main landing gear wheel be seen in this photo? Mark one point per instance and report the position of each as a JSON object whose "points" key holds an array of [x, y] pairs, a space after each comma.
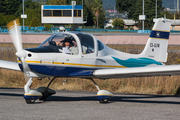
{"points": [[102, 95], [30, 101], [104, 101]]}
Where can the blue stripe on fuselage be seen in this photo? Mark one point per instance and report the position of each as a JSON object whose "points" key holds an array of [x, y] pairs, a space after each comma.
{"points": [[159, 34], [61, 71]]}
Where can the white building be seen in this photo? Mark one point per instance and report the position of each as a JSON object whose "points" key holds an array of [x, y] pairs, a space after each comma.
{"points": [[127, 22], [62, 14]]}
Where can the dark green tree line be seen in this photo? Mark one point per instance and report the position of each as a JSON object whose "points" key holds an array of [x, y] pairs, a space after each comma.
{"points": [[12, 9], [9, 7], [134, 9]]}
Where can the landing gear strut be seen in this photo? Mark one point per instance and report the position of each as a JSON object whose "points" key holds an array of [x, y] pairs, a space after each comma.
{"points": [[41, 93], [30, 96], [102, 95]]}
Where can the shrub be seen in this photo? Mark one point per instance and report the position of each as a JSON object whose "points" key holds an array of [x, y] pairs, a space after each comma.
{"points": [[118, 23], [47, 26]]}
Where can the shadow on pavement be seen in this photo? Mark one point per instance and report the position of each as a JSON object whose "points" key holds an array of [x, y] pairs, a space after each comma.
{"points": [[118, 97], [136, 98]]}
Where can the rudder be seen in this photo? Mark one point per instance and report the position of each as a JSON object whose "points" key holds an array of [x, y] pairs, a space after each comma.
{"points": [[157, 44]]}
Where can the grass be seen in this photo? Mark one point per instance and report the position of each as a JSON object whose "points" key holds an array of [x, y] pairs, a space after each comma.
{"points": [[169, 85]]}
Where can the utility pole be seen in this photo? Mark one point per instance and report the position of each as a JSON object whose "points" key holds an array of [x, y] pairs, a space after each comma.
{"points": [[156, 9], [143, 14], [23, 14], [177, 6]]}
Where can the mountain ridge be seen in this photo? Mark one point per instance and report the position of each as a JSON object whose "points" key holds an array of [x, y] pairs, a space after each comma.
{"points": [[110, 4]]}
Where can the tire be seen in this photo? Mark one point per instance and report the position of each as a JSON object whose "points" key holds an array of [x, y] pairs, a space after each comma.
{"points": [[103, 101], [30, 101]]}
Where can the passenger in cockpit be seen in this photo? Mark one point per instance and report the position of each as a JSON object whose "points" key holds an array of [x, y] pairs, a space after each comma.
{"points": [[73, 48]]}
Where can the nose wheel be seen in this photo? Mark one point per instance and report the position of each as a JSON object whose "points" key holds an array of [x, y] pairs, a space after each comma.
{"points": [[41, 93]]}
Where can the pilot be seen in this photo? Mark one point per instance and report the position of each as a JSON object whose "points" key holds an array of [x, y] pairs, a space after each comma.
{"points": [[59, 43], [66, 44]]}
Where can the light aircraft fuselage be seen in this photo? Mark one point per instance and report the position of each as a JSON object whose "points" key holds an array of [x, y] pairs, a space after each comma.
{"points": [[49, 58]]}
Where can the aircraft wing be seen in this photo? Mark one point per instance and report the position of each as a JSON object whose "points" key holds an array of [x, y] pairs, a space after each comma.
{"points": [[9, 65], [165, 70]]}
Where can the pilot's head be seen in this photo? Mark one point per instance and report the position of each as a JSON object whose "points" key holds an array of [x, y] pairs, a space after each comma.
{"points": [[67, 42]]}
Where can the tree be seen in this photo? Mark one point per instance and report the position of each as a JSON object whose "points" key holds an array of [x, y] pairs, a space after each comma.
{"points": [[97, 8], [167, 14], [9, 7], [122, 5], [134, 8], [35, 22], [87, 12], [118, 23], [125, 5], [177, 16], [31, 14], [9, 18], [56, 2], [2, 20], [101, 19]]}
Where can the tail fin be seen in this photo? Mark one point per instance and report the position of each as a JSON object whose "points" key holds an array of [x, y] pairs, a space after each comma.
{"points": [[157, 44]]}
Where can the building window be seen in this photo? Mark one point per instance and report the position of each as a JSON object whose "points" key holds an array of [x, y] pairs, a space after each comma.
{"points": [[67, 13], [47, 13], [77, 13], [57, 13]]}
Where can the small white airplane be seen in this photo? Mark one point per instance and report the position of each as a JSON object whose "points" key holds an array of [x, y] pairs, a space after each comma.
{"points": [[76, 54]]}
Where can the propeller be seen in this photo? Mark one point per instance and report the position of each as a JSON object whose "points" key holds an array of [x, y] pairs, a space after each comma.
{"points": [[14, 31]]}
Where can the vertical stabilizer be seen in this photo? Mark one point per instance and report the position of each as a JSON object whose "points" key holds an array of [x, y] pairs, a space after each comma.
{"points": [[157, 44]]}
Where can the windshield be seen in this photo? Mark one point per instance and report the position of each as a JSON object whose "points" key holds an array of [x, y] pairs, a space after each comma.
{"points": [[63, 42], [55, 39]]}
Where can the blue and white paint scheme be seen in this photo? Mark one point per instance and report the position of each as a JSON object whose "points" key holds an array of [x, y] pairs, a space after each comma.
{"points": [[89, 58]]}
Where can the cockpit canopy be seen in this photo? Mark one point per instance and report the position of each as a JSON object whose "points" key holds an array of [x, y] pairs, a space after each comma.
{"points": [[58, 43], [72, 43]]}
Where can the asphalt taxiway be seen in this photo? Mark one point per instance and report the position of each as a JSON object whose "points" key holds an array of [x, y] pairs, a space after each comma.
{"points": [[80, 105]]}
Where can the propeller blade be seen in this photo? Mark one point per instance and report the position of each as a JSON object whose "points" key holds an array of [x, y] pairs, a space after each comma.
{"points": [[25, 69], [14, 31]]}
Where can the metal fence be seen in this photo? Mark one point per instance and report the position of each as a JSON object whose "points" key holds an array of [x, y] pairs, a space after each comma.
{"points": [[91, 30]]}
